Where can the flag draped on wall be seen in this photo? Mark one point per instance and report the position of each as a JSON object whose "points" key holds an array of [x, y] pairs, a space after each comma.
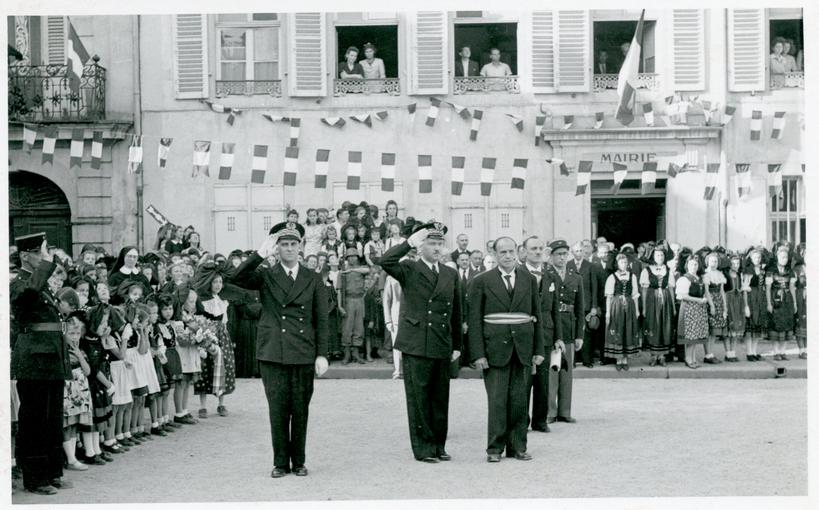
{"points": [[259, 164], [540, 120], [778, 125], [583, 177], [457, 175], [220, 108], [226, 161], [568, 120], [620, 172], [519, 173], [711, 177], [96, 150], [353, 169], [432, 114], [162, 151], [155, 214], [461, 110], [743, 179], [275, 118], [648, 114], [756, 125], [77, 146], [774, 179], [135, 155], [477, 115], [648, 177], [627, 79], [29, 137], [424, 173], [295, 129], [76, 56], [387, 171], [487, 175], [322, 167], [49, 142], [334, 121], [201, 157], [291, 166]]}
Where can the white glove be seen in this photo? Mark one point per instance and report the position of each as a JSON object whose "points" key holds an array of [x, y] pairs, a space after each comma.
{"points": [[321, 366], [456, 355], [266, 249], [416, 239]]}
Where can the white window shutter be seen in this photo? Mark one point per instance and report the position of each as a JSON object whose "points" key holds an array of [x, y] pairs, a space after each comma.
{"points": [[573, 51], [543, 51], [430, 55], [307, 67], [56, 34], [746, 50], [689, 49], [190, 46]]}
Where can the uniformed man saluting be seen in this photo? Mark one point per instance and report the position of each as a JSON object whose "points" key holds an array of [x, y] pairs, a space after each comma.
{"points": [[292, 341], [429, 336]]}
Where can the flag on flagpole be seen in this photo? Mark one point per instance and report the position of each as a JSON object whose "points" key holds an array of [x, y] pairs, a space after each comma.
{"points": [[461, 110], [477, 115], [620, 172], [774, 179], [29, 137], [743, 179], [598, 120], [334, 121], [135, 155], [155, 214], [487, 175], [517, 120], [778, 125], [458, 174], [583, 177], [291, 166], [162, 151], [424, 173], [353, 169], [76, 56], [295, 129], [226, 161], [519, 173], [387, 171], [77, 146], [711, 177], [201, 157], [322, 167], [259, 164], [728, 114], [756, 125], [627, 78], [96, 150], [648, 177], [564, 170], [411, 113], [432, 114], [568, 120], [275, 118], [49, 142], [364, 118], [648, 114]]}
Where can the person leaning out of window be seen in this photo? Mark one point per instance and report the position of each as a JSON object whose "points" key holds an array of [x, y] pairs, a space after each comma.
{"points": [[780, 63], [373, 68], [496, 69], [350, 69]]}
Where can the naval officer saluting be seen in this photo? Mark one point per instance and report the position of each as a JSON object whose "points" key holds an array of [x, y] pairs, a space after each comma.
{"points": [[429, 336]]}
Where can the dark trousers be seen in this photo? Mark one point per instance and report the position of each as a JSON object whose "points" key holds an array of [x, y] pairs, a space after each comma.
{"points": [[426, 384], [40, 431], [288, 389], [560, 387], [540, 396], [593, 341], [507, 391]]}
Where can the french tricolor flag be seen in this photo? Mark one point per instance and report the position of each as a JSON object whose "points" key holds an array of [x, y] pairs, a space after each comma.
{"points": [[458, 174], [627, 79], [778, 125], [322, 167], [424, 173], [487, 176], [291, 166], [353, 169], [387, 171], [76, 57], [756, 125], [519, 173]]}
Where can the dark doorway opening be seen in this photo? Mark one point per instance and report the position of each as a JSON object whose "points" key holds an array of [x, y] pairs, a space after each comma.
{"points": [[36, 204], [629, 219]]}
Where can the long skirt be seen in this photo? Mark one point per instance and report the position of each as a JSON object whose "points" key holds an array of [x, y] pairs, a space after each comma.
{"points": [[736, 314], [659, 320], [77, 401], [783, 318], [219, 369], [717, 324], [623, 331], [122, 386], [757, 323], [173, 368], [137, 375], [99, 396], [692, 324]]}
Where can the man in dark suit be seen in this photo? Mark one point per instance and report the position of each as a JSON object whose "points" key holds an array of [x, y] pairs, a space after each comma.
{"points": [[603, 265], [464, 279], [429, 336], [476, 266], [586, 269], [464, 66], [506, 339], [463, 242], [292, 340], [568, 331]]}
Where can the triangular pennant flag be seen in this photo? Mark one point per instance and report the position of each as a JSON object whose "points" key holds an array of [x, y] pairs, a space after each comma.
{"points": [[540, 120], [77, 146], [463, 111], [648, 114], [477, 115], [517, 120], [259, 164], [353, 169], [519, 173], [364, 118], [457, 175], [387, 171], [96, 150], [49, 142], [568, 120], [598, 120], [155, 214], [295, 129], [322, 167], [432, 114], [334, 121], [219, 108], [774, 179], [382, 115], [163, 150], [135, 155], [778, 125], [411, 113], [564, 170], [275, 118], [29, 137], [226, 161], [756, 125], [648, 177], [291, 166], [673, 170], [583, 177], [628, 76], [487, 175], [707, 111], [743, 179], [620, 172], [424, 173], [711, 177], [728, 114], [201, 157]]}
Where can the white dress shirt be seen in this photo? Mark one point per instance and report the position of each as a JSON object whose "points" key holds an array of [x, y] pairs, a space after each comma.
{"points": [[294, 270], [504, 274]]}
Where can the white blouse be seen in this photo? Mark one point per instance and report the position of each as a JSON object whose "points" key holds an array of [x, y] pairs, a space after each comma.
{"points": [[609, 290], [217, 306]]}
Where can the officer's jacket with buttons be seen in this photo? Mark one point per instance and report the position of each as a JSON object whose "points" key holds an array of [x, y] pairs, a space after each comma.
{"points": [[430, 316], [569, 323], [498, 342], [547, 289], [293, 328]]}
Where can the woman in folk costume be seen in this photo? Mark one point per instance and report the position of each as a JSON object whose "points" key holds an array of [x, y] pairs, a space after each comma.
{"points": [[715, 281], [657, 281], [756, 313], [735, 303], [219, 368], [622, 314], [780, 283], [692, 322]]}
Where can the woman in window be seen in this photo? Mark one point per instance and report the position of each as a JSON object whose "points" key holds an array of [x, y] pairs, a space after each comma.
{"points": [[350, 69], [779, 64], [373, 68], [789, 52]]}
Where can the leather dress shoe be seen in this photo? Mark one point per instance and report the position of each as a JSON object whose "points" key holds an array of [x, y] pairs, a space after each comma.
{"points": [[522, 456], [566, 419], [43, 490], [549, 421], [59, 483], [300, 471], [444, 456], [430, 460], [493, 457], [278, 472], [544, 428]]}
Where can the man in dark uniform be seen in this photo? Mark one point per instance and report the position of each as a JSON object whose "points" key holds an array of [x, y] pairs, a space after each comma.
{"points": [[587, 272], [603, 264], [292, 338], [568, 331], [506, 340], [429, 336]]}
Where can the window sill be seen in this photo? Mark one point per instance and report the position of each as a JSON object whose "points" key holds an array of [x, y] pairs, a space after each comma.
{"points": [[226, 88], [388, 86], [603, 82], [485, 85]]}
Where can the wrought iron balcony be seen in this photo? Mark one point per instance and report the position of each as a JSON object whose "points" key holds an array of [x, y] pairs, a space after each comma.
{"points": [[43, 94], [465, 84], [248, 87], [603, 82], [795, 79], [344, 86]]}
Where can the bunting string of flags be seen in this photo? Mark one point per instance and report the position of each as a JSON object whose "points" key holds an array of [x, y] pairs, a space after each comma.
{"points": [[457, 185], [201, 157], [477, 116], [568, 121], [598, 120], [49, 143], [387, 171], [756, 125], [774, 179], [77, 146], [29, 137], [291, 166], [743, 179], [259, 164], [648, 177], [432, 113], [220, 108], [519, 173], [162, 151], [333, 121], [226, 161], [583, 177], [364, 118], [517, 121], [424, 173], [540, 121], [353, 169], [487, 175], [322, 167], [135, 155], [620, 172], [711, 177], [295, 130], [778, 125], [411, 113], [96, 150]]}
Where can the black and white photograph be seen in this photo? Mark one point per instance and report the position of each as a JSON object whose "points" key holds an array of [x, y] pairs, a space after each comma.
{"points": [[330, 253]]}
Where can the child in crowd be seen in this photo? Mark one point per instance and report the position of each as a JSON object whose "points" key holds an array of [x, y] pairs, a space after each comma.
{"points": [[157, 355], [351, 307], [374, 248], [331, 242], [374, 313], [351, 244], [77, 407], [330, 279], [93, 345], [692, 321], [219, 370], [714, 281], [136, 335], [172, 366], [188, 356]]}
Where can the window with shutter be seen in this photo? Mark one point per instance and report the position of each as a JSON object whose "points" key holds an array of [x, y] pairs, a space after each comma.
{"points": [[429, 53], [572, 51], [689, 49], [56, 30], [543, 52], [307, 62], [746, 50], [190, 56]]}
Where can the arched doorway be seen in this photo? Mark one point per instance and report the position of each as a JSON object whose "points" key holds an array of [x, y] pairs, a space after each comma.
{"points": [[36, 204]]}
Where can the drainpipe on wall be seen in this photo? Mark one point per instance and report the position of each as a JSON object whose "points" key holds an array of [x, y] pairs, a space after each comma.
{"points": [[138, 130]]}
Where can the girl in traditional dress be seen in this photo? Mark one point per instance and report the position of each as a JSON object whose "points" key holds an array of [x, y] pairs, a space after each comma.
{"points": [[172, 367], [77, 407], [156, 354], [657, 281], [734, 301], [780, 284], [692, 323], [93, 345], [313, 233], [714, 281], [756, 315], [801, 311], [622, 314], [188, 357], [331, 242]]}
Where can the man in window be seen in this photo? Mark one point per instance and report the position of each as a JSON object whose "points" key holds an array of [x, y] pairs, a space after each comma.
{"points": [[465, 66], [495, 68], [603, 66], [350, 69]]}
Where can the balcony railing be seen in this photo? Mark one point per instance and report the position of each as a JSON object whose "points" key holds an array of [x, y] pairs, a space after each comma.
{"points": [[794, 79], [43, 94], [248, 88], [466, 84], [603, 82], [344, 86]]}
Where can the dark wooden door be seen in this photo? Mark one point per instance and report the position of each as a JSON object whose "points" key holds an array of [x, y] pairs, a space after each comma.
{"points": [[36, 204]]}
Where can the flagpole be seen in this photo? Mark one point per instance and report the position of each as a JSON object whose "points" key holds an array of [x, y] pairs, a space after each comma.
{"points": [[140, 177]]}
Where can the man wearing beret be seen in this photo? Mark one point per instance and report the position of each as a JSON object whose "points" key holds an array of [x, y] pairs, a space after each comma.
{"points": [[568, 331], [429, 336], [292, 340]]}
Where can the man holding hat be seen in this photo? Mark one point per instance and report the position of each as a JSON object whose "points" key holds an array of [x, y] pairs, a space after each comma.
{"points": [[569, 326], [292, 338], [429, 336]]}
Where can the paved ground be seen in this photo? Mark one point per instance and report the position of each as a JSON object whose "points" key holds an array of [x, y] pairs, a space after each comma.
{"points": [[650, 437]]}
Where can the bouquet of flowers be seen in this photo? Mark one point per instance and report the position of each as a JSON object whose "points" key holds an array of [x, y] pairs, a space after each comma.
{"points": [[201, 333]]}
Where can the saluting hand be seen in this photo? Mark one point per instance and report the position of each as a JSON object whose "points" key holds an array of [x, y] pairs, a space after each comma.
{"points": [[417, 238], [45, 253]]}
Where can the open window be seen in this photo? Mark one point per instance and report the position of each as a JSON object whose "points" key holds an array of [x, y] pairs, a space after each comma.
{"points": [[611, 42], [377, 74], [785, 49], [248, 56], [486, 55], [787, 212]]}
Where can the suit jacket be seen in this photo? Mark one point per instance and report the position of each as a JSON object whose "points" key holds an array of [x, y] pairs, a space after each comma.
{"points": [[547, 289], [430, 315], [569, 324], [293, 328], [601, 275], [498, 342], [590, 288], [472, 71]]}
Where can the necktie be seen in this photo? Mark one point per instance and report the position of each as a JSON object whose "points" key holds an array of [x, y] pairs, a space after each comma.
{"points": [[463, 276], [435, 269], [508, 278], [290, 275]]}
